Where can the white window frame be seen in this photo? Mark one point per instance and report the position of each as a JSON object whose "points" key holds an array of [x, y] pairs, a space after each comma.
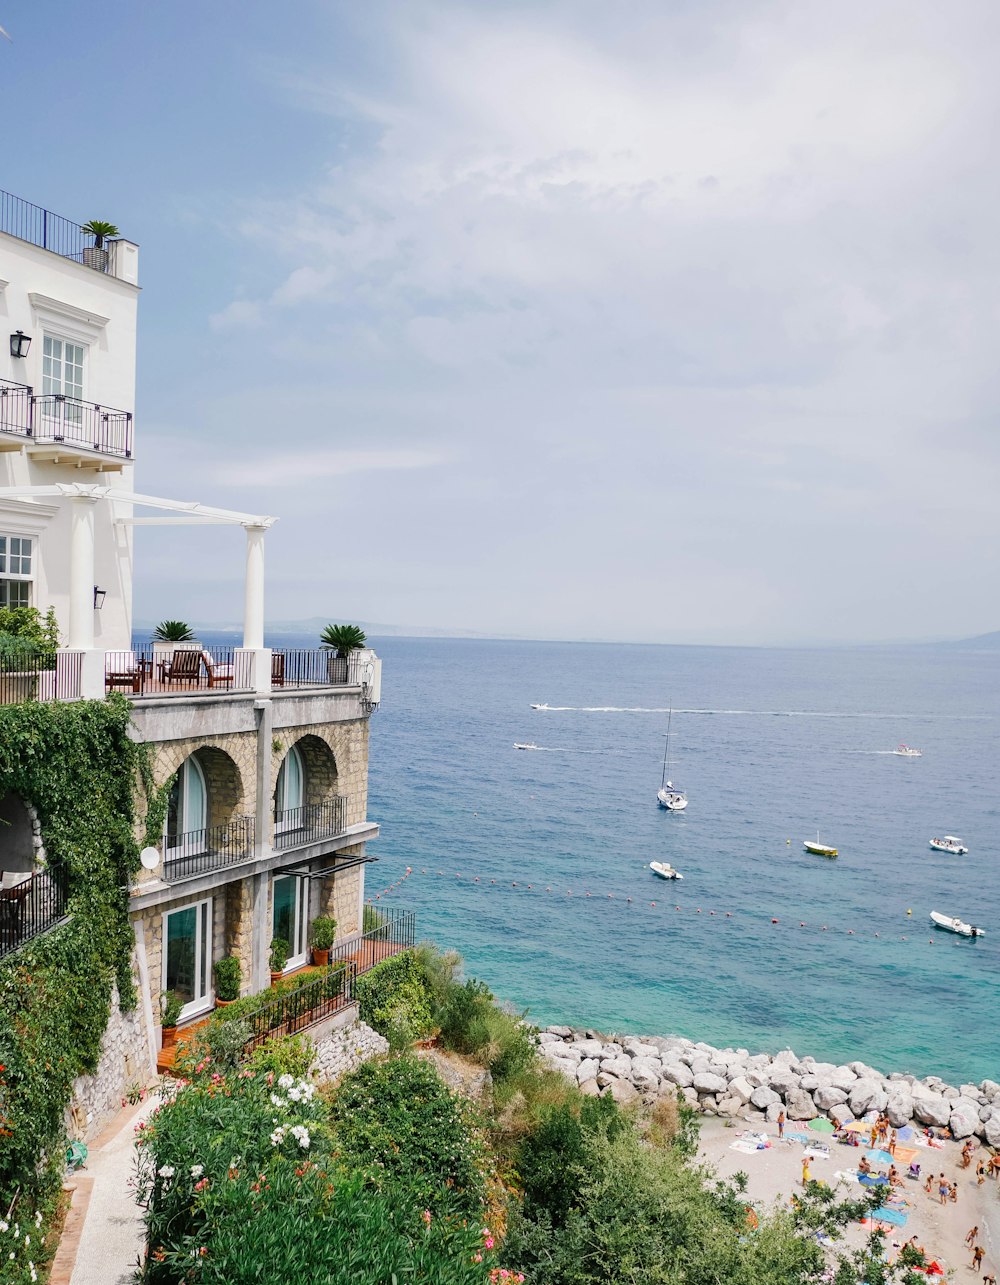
{"points": [[49, 383], [204, 924], [283, 799], [298, 947], [18, 577], [187, 847]]}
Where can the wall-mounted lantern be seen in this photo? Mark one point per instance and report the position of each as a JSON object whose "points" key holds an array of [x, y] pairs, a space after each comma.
{"points": [[99, 596], [19, 344]]}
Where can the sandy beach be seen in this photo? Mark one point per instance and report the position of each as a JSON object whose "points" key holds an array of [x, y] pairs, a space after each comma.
{"points": [[775, 1172]]}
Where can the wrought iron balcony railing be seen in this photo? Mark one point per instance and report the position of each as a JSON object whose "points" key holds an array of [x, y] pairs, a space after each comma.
{"points": [[32, 223], [297, 826], [31, 908], [197, 852], [57, 418], [15, 408], [55, 676], [388, 932], [315, 667]]}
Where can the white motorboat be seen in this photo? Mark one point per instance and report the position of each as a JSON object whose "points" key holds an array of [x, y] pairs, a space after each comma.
{"points": [[819, 849], [539, 707], [907, 751], [950, 844], [668, 795], [955, 925], [665, 870], [525, 745]]}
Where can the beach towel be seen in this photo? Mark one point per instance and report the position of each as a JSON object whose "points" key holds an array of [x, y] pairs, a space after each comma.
{"points": [[746, 1146], [817, 1151], [797, 1137], [905, 1155], [894, 1216]]}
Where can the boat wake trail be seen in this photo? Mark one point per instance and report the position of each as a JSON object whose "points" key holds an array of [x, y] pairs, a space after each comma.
{"points": [[761, 713]]}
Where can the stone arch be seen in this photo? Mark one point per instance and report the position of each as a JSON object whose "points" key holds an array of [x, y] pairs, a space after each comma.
{"points": [[319, 769], [18, 831], [223, 782]]}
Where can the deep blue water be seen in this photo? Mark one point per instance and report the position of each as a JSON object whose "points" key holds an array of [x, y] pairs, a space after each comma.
{"points": [[770, 745]]}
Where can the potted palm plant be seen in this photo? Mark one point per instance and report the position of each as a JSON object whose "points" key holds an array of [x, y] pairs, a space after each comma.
{"points": [[278, 958], [341, 640], [321, 935], [171, 1004], [95, 256], [228, 976], [170, 636]]}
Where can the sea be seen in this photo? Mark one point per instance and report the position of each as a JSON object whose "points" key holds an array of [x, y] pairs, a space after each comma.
{"points": [[534, 864]]}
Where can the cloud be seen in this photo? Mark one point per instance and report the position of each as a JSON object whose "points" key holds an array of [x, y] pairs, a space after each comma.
{"points": [[241, 314], [304, 467]]}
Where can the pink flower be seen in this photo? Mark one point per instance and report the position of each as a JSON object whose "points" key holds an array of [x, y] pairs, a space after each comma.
{"points": [[426, 1216], [200, 1186], [489, 1242]]}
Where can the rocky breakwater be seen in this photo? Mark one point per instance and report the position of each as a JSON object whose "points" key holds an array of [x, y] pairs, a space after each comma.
{"points": [[758, 1086]]}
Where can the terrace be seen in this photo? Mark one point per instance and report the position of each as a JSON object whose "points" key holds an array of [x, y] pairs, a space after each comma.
{"points": [[40, 227], [30, 908]]}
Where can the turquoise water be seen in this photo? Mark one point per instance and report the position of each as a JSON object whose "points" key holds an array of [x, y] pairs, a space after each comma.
{"points": [[770, 746]]}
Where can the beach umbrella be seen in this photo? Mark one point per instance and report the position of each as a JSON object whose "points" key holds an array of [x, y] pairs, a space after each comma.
{"points": [[857, 1126], [822, 1125]]}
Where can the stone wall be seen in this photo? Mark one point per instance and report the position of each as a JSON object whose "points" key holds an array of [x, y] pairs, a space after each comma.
{"points": [[152, 921], [340, 896], [346, 1049], [124, 1061], [347, 775]]}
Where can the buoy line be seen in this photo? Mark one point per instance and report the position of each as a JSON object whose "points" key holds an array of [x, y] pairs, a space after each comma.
{"points": [[640, 902]]}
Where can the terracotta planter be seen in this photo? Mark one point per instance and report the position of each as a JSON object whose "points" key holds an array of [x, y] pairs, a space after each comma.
{"points": [[276, 978], [223, 1003], [321, 958], [169, 1039]]}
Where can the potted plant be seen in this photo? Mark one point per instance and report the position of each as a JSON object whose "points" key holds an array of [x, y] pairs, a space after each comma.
{"points": [[341, 640], [171, 1004], [321, 935], [228, 976], [170, 636], [95, 256], [278, 959]]}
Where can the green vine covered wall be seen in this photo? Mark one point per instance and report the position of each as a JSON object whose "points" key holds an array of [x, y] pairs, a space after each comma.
{"points": [[76, 765]]}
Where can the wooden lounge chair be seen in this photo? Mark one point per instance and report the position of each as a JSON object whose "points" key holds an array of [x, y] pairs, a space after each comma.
{"points": [[122, 670], [277, 669], [219, 675], [182, 667]]}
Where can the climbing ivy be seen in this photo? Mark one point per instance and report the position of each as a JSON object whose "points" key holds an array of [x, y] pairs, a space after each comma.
{"points": [[76, 764]]}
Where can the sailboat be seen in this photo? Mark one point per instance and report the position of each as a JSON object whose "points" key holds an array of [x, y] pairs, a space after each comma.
{"points": [[669, 796]]}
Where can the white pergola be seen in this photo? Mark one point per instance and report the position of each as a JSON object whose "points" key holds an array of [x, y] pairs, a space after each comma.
{"points": [[86, 497]]}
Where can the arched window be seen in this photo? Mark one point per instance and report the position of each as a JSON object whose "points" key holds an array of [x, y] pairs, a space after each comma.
{"points": [[187, 809], [289, 793]]}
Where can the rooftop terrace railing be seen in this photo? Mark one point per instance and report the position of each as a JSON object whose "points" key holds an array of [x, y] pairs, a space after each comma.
{"points": [[33, 223], [314, 667], [31, 908], [40, 678]]}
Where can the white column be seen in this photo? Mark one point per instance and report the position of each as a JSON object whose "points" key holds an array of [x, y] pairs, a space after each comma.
{"points": [[253, 601], [81, 573]]}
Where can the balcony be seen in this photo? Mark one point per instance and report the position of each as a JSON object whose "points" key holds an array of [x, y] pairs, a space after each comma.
{"points": [[31, 908], [64, 430], [58, 235], [298, 826], [40, 678], [15, 413], [156, 670], [198, 852]]}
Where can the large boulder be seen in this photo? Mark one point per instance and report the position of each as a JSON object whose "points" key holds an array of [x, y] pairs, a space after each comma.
{"points": [[587, 1048], [645, 1081], [971, 1091], [566, 1065], [841, 1114], [706, 1082], [899, 1107], [636, 1048], [991, 1129], [679, 1074], [826, 1096], [773, 1111], [729, 1107], [931, 1108], [866, 1095], [990, 1090], [842, 1077], [587, 1070], [548, 1037], [563, 1032], [590, 1089], [964, 1119], [809, 1082], [764, 1097], [622, 1092], [782, 1080], [800, 1105], [741, 1088], [620, 1066]]}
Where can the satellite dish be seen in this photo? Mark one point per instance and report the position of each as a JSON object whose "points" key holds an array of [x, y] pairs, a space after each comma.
{"points": [[150, 858]]}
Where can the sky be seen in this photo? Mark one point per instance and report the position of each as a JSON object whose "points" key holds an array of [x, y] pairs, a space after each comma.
{"points": [[660, 321]]}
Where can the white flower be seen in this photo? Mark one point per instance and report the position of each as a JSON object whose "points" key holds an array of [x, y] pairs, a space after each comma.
{"points": [[286, 1081], [295, 1094], [38, 1219], [278, 1137], [166, 1171], [278, 1102], [197, 1171], [4, 1226], [34, 1274], [27, 1239], [301, 1135]]}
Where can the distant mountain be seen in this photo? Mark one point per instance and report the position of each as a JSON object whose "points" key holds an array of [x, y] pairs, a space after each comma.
{"points": [[315, 624], [981, 642]]}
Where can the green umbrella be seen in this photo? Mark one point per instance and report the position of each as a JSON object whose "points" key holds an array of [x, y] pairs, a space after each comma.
{"points": [[822, 1125]]}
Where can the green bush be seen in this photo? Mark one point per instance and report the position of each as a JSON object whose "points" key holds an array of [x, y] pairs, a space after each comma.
{"points": [[228, 975], [322, 932], [398, 1123], [392, 999]]}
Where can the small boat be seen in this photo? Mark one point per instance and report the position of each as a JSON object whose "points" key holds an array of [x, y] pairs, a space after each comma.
{"points": [[907, 751], [665, 870], [819, 849], [955, 925], [950, 844], [668, 795], [525, 745], [539, 707]]}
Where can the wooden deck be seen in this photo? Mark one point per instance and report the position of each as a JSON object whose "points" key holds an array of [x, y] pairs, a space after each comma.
{"points": [[368, 954]]}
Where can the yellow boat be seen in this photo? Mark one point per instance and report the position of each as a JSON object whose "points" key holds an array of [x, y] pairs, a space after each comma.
{"points": [[819, 849]]}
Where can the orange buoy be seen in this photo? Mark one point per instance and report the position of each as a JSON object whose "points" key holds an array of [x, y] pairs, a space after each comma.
{"points": [[774, 921]]}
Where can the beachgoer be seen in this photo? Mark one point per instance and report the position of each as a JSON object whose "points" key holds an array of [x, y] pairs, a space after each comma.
{"points": [[953, 1194], [970, 1239], [892, 1143], [929, 1183], [805, 1171], [864, 1166], [994, 1165], [980, 1173], [873, 1137], [883, 1128], [894, 1178], [943, 1189], [967, 1154], [781, 1124], [978, 1254]]}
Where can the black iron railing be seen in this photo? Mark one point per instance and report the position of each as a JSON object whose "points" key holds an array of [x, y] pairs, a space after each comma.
{"points": [[157, 670], [40, 678], [314, 667], [49, 231], [58, 418], [295, 826], [15, 408], [31, 908], [197, 851], [302, 1004], [387, 932]]}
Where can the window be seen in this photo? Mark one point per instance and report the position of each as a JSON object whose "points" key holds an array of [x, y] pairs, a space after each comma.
{"points": [[290, 918], [187, 955], [15, 570], [62, 367], [187, 811], [288, 793]]}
